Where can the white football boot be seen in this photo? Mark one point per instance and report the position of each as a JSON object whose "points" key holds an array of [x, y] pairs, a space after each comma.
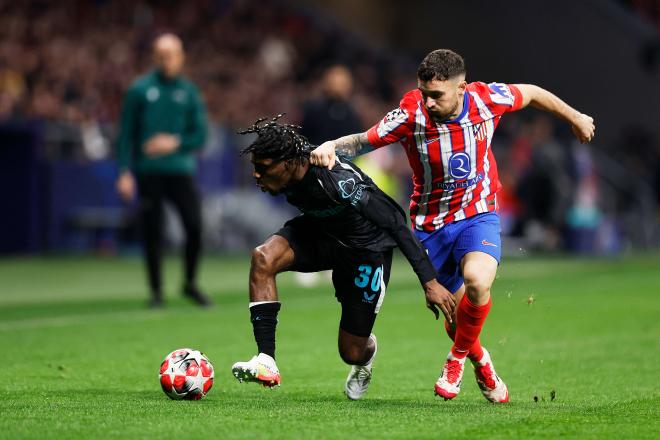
{"points": [[359, 377], [261, 369], [492, 387], [448, 384]]}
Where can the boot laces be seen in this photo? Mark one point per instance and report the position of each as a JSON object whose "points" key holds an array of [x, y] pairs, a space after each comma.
{"points": [[453, 370]]}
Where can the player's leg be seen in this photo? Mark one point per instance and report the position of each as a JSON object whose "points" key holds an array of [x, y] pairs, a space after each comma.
{"points": [[439, 246], [296, 246], [479, 270], [477, 247], [151, 218], [476, 351], [182, 192], [354, 349], [272, 257], [360, 283], [360, 353]]}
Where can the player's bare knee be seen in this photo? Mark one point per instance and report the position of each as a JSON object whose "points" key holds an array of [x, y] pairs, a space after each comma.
{"points": [[477, 288], [263, 262]]}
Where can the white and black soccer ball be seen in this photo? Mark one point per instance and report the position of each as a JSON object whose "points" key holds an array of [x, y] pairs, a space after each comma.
{"points": [[186, 374]]}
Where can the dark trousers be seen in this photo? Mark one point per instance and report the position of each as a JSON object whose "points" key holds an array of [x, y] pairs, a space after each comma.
{"points": [[180, 190]]}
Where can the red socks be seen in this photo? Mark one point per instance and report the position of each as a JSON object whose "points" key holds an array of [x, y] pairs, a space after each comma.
{"points": [[476, 353], [469, 321]]}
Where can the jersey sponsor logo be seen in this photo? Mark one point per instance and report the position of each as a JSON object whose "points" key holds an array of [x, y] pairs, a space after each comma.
{"points": [[347, 188], [450, 186], [350, 190], [488, 243], [459, 165]]}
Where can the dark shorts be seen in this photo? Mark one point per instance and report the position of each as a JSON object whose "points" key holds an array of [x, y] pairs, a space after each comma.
{"points": [[359, 277]]}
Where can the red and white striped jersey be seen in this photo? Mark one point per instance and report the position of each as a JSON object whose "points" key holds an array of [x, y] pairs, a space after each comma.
{"points": [[454, 170]]}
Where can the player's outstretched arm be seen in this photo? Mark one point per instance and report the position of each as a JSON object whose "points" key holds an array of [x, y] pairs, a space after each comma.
{"points": [[582, 125], [351, 145]]}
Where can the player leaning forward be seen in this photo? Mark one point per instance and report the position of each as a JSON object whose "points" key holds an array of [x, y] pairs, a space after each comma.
{"points": [[446, 126], [347, 225]]}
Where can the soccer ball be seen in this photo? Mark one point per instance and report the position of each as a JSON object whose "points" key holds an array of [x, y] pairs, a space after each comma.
{"points": [[186, 374]]}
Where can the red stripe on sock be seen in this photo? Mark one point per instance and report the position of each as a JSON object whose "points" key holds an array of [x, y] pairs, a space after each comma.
{"points": [[470, 319]]}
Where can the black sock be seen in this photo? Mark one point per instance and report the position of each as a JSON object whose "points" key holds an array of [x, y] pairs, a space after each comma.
{"points": [[264, 321]]}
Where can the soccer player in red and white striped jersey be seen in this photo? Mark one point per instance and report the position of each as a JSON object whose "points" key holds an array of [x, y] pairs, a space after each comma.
{"points": [[446, 126]]}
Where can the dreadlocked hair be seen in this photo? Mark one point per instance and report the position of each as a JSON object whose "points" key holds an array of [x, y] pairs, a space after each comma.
{"points": [[279, 142]]}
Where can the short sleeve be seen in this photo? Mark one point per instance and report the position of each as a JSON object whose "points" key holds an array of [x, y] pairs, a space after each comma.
{"points": [[501, 98], [396, 125]]}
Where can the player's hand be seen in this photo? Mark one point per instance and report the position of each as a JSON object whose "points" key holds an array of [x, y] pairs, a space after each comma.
{"points": [[126, 186], [437, 297], [584, 128], [323, 155], [161, 144]]}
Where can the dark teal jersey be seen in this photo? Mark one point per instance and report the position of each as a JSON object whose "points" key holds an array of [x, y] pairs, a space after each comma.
{"points": [[154, 104], [345, 204]]}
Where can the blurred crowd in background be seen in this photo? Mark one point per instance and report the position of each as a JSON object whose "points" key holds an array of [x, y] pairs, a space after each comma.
{"points": [[64, 67], [71, 62]]}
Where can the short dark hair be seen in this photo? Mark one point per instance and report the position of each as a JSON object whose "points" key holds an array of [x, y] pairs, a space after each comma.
{"points": [[279, 142], [441, 64]]}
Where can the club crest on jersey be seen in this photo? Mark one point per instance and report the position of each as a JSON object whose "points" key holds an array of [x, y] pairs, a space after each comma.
{"points": [[480, 131], [459, 166]]}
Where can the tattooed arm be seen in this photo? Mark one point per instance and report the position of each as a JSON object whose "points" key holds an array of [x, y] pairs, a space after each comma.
{"points": [[351, 146]]}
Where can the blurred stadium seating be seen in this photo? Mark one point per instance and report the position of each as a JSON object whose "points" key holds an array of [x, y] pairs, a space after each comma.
{"points": [[64, 67]]}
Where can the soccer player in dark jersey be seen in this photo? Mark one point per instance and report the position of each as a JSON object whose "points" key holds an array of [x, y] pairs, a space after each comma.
{"points": [[348, 225]]}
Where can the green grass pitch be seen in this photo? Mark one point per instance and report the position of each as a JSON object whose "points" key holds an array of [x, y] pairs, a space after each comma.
{"points": [[81, 355]]}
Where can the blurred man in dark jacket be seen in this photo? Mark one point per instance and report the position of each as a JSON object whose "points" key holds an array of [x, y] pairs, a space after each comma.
{"points": [[332, 115], [163, 124]]}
